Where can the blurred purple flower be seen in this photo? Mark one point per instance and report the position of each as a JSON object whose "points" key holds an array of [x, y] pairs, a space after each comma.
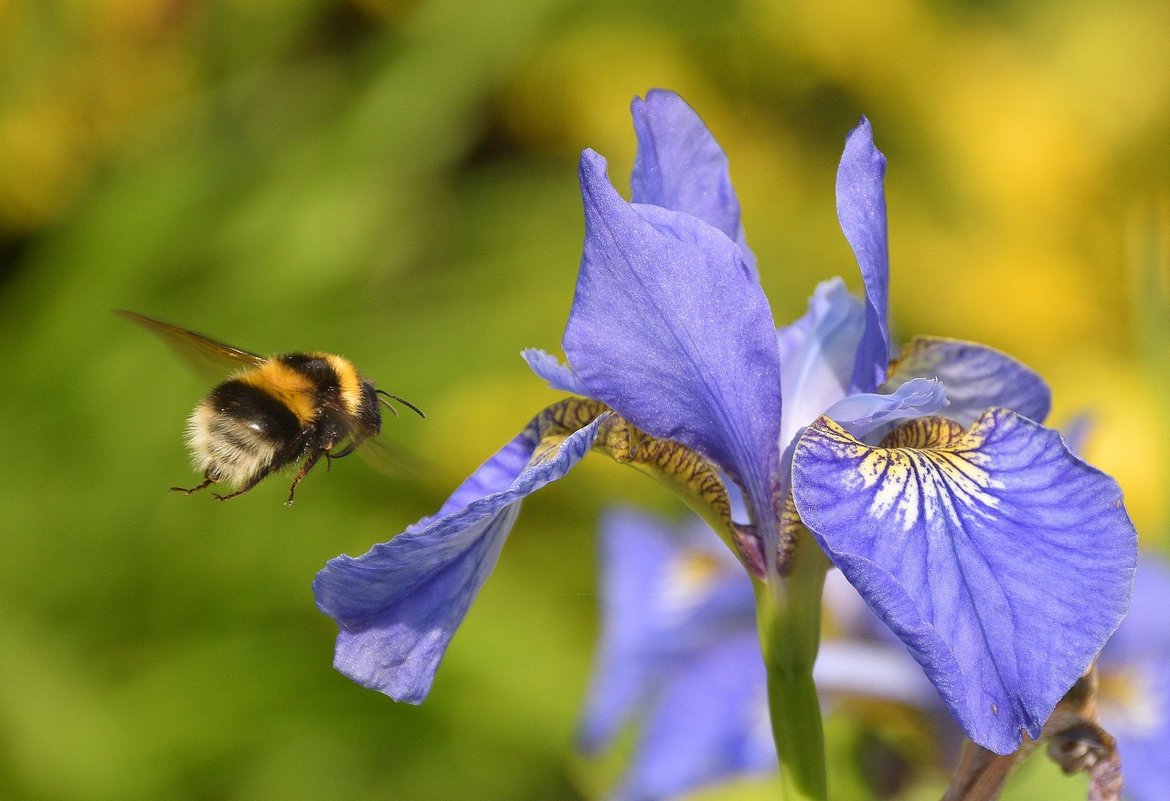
{"points": [[1134, 692], [679, 655]]}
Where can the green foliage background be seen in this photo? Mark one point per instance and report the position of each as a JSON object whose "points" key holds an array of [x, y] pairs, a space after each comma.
{"points": [[396, 181]]}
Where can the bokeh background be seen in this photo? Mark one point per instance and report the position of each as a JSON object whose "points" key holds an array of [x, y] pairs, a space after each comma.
{"points": [[396, 181]]}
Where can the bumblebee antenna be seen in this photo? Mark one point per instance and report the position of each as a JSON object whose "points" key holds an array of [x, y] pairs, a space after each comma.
{"points": [[403, 401]]}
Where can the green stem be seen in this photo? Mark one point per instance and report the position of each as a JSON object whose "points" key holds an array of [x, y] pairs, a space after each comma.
{"points": [[788, 610]]}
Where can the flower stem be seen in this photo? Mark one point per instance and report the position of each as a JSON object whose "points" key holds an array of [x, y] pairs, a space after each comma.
{"points": [[788, 611]]}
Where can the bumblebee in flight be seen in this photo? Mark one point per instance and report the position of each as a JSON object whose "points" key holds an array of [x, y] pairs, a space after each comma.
{"points": [[271, 412]]}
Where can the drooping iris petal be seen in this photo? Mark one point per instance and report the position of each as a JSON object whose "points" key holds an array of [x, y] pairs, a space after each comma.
{"points": [[1134, 694], [817, 353], [1001, 560], [976, 377], [864, 413], [668, 591], [559, 376], [861, 209], [668, 330], [710, 723], [398, 605], [680, 166]]}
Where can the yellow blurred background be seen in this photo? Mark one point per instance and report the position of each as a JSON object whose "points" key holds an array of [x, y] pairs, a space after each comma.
{"points": [[396, 181]]}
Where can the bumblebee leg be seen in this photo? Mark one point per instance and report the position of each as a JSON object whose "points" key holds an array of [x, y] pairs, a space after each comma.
{"points": [[207, 482], [305, 468], [330, 455], [240, 491], [346, 451], [252, 482]]}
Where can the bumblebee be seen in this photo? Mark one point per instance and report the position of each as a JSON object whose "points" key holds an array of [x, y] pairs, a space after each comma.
{"points": [[271, 412]]}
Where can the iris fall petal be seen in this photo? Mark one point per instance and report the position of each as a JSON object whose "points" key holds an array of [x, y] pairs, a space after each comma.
{"points": [[1134, 696], [1001, 560], [709, 724], [398, 605]]}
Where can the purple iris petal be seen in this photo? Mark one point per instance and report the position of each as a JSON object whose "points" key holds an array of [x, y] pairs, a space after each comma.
{"points": [[669, 330], [398, 605], [976, 377], [816, 356], [862, 414], [1135, 684], [680, 166], [861, 208], [1003, 562], [559, 376]]}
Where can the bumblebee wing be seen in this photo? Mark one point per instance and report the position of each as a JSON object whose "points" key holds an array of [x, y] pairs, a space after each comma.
{"points": [[391, 459], [210, 359]]}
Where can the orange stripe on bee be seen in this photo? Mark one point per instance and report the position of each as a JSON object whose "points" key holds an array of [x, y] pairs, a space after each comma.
{"points": [[348, 380], [291, 388]]}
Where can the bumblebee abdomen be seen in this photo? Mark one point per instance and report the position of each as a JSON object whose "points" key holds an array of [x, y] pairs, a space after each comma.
{"points": [[240, 432]]}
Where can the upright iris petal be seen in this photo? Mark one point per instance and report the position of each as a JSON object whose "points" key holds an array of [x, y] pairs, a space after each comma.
{"points": [[1001, 560], [861, 208], [817, 353], [680, 166], [862, 414], [670, 330]]}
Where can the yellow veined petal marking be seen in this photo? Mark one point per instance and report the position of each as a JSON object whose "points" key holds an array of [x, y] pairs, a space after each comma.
{"points": [[686, 472], [926, 466]]}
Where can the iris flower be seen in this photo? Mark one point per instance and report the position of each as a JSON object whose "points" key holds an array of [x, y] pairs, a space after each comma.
{"points": [[1000, 559]]}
